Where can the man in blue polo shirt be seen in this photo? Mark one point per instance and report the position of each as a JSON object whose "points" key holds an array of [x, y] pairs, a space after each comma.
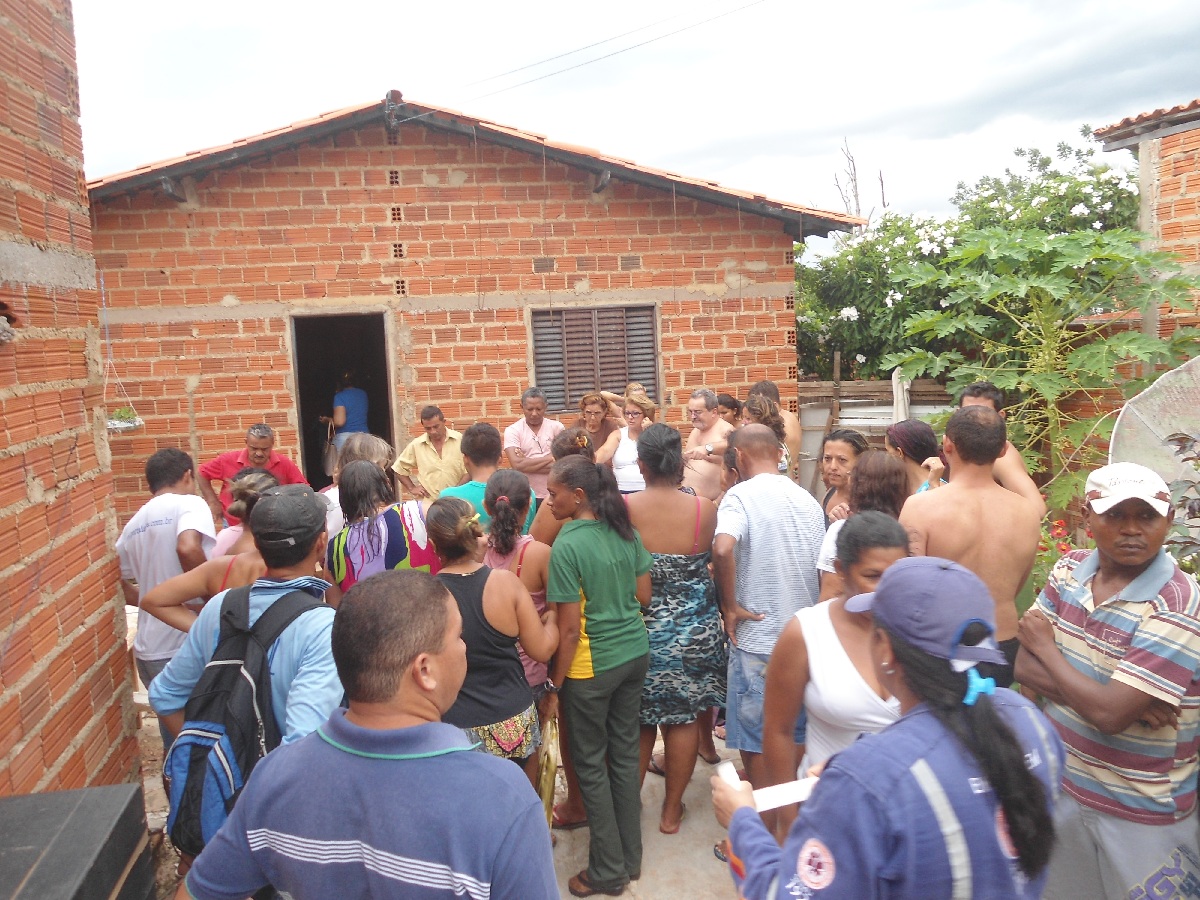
{"points": [[384, 799]]}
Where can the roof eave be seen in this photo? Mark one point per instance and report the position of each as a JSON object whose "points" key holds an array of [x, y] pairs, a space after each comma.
{"points": [[1127, 136], [798, 223], [111, 186]]}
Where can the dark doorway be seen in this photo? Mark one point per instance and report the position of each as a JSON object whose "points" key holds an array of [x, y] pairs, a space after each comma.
{"points": [[325, 347]]}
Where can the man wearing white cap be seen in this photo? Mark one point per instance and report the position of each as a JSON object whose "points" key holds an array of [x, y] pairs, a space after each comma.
{"points": [[1113, 643]]}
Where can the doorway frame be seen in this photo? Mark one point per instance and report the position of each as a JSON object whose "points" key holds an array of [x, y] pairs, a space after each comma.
{"points": [[390, 342]]}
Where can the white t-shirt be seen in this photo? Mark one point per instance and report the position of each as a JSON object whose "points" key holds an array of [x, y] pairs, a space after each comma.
{"points": [[828, 551], [778, 527], [147, 551]]}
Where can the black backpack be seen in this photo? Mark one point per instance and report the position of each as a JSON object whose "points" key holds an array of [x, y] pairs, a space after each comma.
{"points": [[229, 723]]}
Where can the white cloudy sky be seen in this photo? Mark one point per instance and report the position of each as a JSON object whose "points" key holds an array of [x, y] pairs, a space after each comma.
{"points": [[930, 92]]}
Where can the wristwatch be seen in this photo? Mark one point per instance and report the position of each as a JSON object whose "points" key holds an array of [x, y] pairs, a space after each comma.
{"points": [[550, 687], [708, 449]]}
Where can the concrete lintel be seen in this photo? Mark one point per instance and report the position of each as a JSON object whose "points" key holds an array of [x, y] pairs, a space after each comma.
{"points": [[373, 304], [30, 264]]}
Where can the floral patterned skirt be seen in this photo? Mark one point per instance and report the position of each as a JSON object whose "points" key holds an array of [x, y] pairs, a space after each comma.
{"points": [[515, 738]]}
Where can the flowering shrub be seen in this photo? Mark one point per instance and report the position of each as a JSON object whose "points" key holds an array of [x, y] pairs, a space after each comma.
{"points": [[1054, 544], [854, 300], [847, 301]]}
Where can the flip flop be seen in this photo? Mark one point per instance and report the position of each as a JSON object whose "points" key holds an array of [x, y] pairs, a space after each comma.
{"points": [[719, 851], [656, 767], [713, 760], [674, 830], [564, 825]]}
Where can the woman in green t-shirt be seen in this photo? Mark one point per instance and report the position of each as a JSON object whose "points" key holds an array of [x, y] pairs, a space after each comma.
{"points": [[599, 580]]}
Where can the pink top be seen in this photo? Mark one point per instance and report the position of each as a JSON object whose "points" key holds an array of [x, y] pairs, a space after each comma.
{"points": [[226, 538], [536, 673], [534, 445]]}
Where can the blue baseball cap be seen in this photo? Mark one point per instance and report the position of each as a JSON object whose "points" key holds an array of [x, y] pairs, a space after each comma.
{"points": [[929, 602]]}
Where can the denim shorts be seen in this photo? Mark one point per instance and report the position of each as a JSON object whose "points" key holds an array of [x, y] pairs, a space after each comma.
{"points": [[744, 704]]}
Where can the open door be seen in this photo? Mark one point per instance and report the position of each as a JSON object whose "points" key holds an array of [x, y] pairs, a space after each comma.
{"points": [[326, 346]]}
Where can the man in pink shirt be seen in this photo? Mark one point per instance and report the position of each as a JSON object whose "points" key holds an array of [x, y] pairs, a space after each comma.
{"points": [[258, 453], [527, 441]]}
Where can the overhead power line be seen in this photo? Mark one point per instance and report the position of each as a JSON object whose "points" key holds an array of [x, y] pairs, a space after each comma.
{"points": [[597, 59]]}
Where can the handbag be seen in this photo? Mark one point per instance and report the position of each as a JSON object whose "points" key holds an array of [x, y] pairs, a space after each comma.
{"points": [[329, 455], [548, 767]]}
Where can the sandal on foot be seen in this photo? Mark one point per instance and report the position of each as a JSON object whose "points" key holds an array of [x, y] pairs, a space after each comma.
{"points": [[656, 767], [580, 886], [567, 825], [678, 825], [713, 760], [719, 851]]}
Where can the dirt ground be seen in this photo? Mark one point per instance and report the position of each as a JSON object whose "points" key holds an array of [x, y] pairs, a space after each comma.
{"points": [[165, 857]]}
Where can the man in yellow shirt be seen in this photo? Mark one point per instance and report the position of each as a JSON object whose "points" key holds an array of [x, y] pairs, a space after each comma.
{"points": [[435, 458]]}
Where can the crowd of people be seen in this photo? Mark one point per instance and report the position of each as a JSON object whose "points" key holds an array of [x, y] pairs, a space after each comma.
{"points": [[628, 581]]}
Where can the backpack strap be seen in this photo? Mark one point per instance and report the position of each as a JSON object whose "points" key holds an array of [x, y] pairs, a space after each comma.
{"points": [[280, 614], [235, 612]]}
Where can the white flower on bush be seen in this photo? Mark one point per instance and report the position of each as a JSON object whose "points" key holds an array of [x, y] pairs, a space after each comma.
{"points": [[892, 298], [1106, 206], [1037, 201], [1079, 210], [943, 303], [849, 313], [1098, 225], [859, 358], [926, 247]]}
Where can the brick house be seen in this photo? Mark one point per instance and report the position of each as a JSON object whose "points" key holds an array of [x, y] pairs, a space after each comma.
{"points": [[66, 715], [1166, 143], [449, 259]]}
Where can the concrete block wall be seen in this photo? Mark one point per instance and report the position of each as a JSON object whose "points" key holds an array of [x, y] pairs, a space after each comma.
{"points": [[452, 239], [66, 718]]}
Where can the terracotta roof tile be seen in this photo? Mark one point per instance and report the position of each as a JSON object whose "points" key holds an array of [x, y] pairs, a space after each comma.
{"points": [[808, 219], [1127, 130]]}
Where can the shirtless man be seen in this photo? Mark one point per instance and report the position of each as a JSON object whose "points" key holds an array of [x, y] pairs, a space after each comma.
{"points": [[791, 422], [977, 523], [705, 445], [1009, 471]]}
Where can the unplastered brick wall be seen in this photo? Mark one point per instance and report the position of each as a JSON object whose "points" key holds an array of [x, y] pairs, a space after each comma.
{"points": [[455, 239], [1177, 203], [66, 718]]}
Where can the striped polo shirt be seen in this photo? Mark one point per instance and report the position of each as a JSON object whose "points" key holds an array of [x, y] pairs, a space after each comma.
{"points": [[1147, 636]]}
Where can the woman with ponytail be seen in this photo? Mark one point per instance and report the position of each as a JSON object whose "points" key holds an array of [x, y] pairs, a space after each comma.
{"points": [[495, 705], [507, 500], [572, 442], [953, 800], [599, 580]]}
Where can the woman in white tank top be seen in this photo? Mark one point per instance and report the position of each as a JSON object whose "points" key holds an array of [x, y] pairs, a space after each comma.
{"points": [[822, 662]]}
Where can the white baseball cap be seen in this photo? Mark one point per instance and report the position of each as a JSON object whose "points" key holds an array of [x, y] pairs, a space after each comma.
{"points": [[1110, 485]]}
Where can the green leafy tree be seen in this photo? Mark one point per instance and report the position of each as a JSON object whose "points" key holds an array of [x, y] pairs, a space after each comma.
{"points": [[1045, 317], [850, 300]]}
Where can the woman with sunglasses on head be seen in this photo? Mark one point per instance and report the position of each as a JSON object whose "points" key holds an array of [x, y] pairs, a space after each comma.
{"points": [[952, 800]]}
